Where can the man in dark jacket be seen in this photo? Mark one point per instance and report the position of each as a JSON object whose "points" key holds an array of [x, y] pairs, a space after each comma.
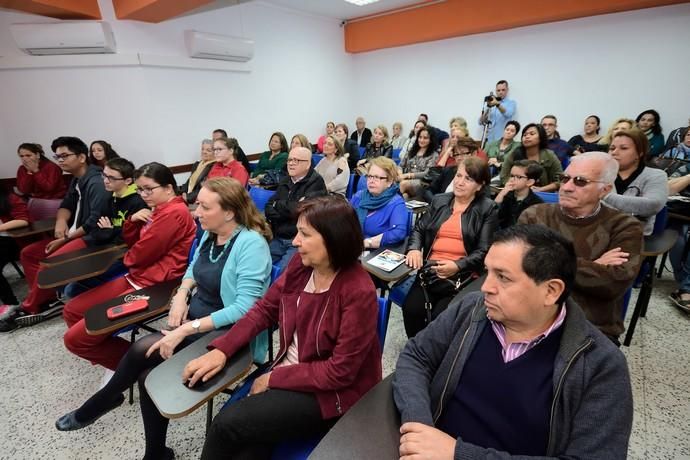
{"points": [[516, 370], [362, 135], [517, 195], [302, 182]]}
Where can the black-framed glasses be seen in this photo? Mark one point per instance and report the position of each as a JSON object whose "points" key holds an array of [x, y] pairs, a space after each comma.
{"points": [[372, 177], [63, 157], [579, 181], [111, 178], [296, 160], [517, 176], [147, 190]]}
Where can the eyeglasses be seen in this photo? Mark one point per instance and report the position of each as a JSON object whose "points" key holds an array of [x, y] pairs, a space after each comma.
{"points": [[147, 191], [219, 149], [372, 177], [63, 157], [579, 181], [296, 160], [111, 178], [517, 176]]}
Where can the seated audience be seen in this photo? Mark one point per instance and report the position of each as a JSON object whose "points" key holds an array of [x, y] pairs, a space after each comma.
{"points": [[337, 358], [516, 370], [299, 140], [648, 121], [448, 244], [463, 147], [639, 191], [454, 146], [501, 148], [678, 255], [561, 148], [333, 168], [607, 242], [229, 272], [158, 242], [412, 138], [534, 147], [13, 214], [226, 164], [37, 176], [100, 152], [200, 170], [239, 153], [378, 147], [381, 211], [118, 179], [680, 151], [675, 137], [589, 140], [302, 182], [517, 195], [363, 134], [416, 164], [274, 158], [618, 125], [77, 216], [350, 147], [397, 139], [330, 130]]}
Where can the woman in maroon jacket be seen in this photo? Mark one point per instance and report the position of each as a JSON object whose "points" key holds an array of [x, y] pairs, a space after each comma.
{"points": [[159, 243], [13, 214], [326, 309], [37, 176]]}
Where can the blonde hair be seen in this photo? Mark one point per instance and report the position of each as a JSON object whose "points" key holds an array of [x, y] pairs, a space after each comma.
{"points": [[387, 165], [384, 130], [606, 140], [302, 140], [461, 121], [234, 197], [339, 149]]}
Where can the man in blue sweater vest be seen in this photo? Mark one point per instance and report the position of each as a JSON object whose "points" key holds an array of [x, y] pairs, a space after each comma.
{"points": [[515, 371]]}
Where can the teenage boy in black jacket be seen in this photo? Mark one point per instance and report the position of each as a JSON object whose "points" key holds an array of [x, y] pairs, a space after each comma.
{"points": [[517, 195]]}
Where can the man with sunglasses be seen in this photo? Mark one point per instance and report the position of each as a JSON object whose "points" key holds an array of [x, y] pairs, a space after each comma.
{"points": [[77, 216], [607, 242]]}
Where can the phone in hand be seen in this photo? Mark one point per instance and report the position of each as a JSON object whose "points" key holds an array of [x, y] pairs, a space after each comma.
{"points": [[127, 308]]}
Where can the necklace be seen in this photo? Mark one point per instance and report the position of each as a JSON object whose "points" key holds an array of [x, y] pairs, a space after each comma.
{"points": [[214, 259]]}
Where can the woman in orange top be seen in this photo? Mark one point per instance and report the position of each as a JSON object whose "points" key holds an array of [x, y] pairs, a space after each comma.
{"points": [[449, 242]]}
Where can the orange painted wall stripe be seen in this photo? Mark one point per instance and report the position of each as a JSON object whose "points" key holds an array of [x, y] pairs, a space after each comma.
{"points": [[155, 10], [60, 9], [455, 18]]}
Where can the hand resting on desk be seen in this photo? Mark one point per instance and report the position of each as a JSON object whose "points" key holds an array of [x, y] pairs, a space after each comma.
{"points": [[423, 441], [204, 367]]}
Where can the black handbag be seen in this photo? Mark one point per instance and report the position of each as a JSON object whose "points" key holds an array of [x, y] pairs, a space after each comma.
{"points": [[431, 282], [271, 178]]}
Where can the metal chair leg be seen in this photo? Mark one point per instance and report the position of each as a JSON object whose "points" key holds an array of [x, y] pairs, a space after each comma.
{"points": [[209, 414]]}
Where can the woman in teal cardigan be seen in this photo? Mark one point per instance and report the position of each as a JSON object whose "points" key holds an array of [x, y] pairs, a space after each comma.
{"points": [[229, 271], [274, 158]]}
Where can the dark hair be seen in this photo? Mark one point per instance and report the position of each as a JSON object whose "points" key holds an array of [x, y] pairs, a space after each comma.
{"points": [[520, 152], [426, 117], [556, 134], [73, 144], [33, 148], [157, 172], [656, 129], [4, 202], [514, 123], [222, 131], [598, 122], [344, 126], [123, 166], [110, 153], [283, 142], [533, 170], [415, 124], [478, 170], [502, 82], [549, 254], [433, 143], [237, 152], [336, 221]]}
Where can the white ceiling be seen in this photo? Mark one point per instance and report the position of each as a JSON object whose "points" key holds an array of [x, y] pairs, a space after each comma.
{"points": [[340, 9]]}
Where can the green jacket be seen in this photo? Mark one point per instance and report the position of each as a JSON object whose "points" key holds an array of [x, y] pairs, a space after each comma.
{"points": [[266, 164], [547, 159]]}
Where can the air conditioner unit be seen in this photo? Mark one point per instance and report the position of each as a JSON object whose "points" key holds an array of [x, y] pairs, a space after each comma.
{"points": [[64, 38], [222, 47]]}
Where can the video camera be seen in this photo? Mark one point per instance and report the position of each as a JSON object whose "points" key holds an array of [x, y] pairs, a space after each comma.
{"points": [[491, 96]]}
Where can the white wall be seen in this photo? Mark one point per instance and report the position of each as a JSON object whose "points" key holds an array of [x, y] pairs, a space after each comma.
{"points": [[162, 114], [612, 65]]}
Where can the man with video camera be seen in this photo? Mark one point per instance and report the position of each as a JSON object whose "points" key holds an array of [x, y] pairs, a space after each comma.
{"points": [[499, 110]]}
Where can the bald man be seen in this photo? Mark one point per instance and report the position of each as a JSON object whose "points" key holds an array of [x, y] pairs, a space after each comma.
{"points": [[362, 135]]}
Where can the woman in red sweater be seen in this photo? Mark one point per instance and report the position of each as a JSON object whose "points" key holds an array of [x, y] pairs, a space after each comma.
{"points": [[13, 214], [226, 165], [326, 309], [37, 176], [159, 241]]}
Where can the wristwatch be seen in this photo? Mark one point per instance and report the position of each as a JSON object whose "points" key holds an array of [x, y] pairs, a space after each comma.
{"points": [[196, 325]]}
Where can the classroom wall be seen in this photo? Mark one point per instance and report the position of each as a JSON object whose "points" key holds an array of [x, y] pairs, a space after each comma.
{"points": [[298, 73], [612, 65]]}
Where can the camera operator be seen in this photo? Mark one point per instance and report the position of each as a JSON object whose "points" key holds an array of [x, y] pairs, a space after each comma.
{"points": [[499, 110]]}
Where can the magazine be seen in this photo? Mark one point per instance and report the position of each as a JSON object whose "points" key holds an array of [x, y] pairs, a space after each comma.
{"points": [[387, 260]]}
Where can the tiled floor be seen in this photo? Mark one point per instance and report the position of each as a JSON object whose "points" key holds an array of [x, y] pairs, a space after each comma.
{"points": [[41, 381]]}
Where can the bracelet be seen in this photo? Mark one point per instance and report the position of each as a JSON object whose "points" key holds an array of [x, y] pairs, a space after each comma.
{"points": [[182, 288]]}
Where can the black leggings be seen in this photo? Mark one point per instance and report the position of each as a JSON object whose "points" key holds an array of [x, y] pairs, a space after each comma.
{"points": [[251, 427], [133, 367], [414, 313], [9, 252]]}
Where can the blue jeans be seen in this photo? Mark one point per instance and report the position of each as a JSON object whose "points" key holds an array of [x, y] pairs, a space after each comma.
{"points": [[282, 251], [680, 260]]}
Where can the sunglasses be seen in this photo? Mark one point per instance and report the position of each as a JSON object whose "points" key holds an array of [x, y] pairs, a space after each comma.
{"points": [[579, 181]]}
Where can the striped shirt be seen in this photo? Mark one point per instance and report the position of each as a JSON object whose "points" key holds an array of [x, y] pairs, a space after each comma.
{"points": [[517, 349]]}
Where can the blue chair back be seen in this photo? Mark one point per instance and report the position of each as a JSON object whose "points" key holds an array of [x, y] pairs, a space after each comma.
{"points": [[316, 158], [275, 273], [548, 197], [361, 184], [362, 151], [396, 155], [382, 323], [260, 197], [350, 186], [626, 301], [660, 221], [192, 250]]}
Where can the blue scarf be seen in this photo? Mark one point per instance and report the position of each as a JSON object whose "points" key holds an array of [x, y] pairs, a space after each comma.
{"points": [[369, 202]]}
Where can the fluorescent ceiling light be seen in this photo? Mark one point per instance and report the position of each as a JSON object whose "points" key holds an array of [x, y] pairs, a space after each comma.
{"points": [[361, 2]]}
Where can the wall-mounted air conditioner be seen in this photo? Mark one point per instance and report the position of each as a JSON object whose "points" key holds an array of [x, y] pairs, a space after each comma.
{"points": [[222, 47], [64, 38]]}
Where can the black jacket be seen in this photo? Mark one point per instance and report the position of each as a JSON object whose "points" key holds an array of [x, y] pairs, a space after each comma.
{"points": [[440, 183], [478, 223], [352, 149], [366, 137], [191, 196], [510, 209], [385, 150], [94, 199], [281, 207], [118, 210]]}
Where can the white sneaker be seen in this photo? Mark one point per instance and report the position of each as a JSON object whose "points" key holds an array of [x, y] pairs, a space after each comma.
{"points": [[106, 378]]}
